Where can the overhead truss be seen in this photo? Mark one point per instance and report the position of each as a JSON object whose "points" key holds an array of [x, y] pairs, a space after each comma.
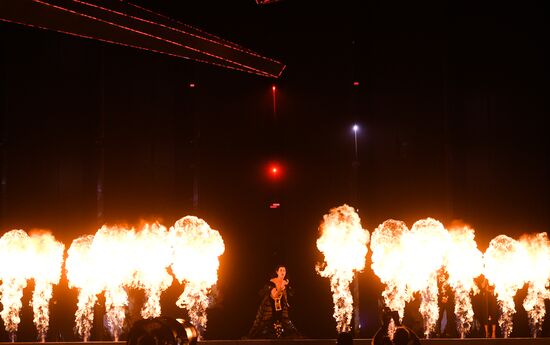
{"points": [[124, 23]]}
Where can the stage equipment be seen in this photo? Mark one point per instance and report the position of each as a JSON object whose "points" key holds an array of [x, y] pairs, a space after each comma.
{"points": [[124, 23]]}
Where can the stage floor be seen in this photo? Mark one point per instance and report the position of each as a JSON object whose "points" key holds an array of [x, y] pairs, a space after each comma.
{"points": [[440, 341]]}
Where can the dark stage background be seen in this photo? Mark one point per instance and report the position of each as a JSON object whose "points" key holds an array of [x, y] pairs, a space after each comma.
{"points": [[450, 103]]}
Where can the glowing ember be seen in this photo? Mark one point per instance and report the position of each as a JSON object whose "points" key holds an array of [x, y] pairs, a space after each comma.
{"points": [[151, 270], [14, 249], [426, 245], [344, 244], [463, 263], [505, 268], [390, 264], [196, 251], [46, 254], [83, 274], [538, 277]]}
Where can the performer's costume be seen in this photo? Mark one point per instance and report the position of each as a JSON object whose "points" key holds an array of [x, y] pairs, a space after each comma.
{"points": [[272, 319]]}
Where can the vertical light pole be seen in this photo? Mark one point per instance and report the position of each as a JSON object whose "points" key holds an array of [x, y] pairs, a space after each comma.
{"points": [[355, 129], [354, 182], [274, 93]]}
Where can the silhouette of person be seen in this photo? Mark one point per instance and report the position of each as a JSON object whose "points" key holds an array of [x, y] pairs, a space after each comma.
{"points": [[402, 335], [489, 309]]}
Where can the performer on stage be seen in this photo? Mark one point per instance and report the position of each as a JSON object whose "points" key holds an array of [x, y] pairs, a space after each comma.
{"points": [[489, 309], [272, 319]]}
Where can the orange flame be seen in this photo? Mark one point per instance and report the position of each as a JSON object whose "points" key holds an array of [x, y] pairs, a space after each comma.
{"points": [[14, 248], [505, 262], [463, 263], [103, 262], [47, 257], [113, 260], [390, 265], [344, 244], [427, 243], [151, 270], [113, 250], [196, 251], [83, 274], [538, 277], [408, 261]]}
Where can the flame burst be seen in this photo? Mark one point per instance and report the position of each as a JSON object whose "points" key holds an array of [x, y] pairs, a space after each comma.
{"points": [[103, 262], [47, 257], [538, 277], [113, 249], [151, 270], [505, 262], [344, 244], [427, 243], [38, 257], [14, 248], [196, 251], [390, 265], [463, 263], [83, 274], [113, 260]]}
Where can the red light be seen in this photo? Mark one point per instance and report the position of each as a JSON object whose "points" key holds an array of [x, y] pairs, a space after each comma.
{"points": [[355, 83], [191, 85], [273, 88], [274, 205], [274, 171]]}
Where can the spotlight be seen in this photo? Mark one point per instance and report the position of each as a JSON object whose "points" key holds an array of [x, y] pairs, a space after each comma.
{"points": [[162, 330]]}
